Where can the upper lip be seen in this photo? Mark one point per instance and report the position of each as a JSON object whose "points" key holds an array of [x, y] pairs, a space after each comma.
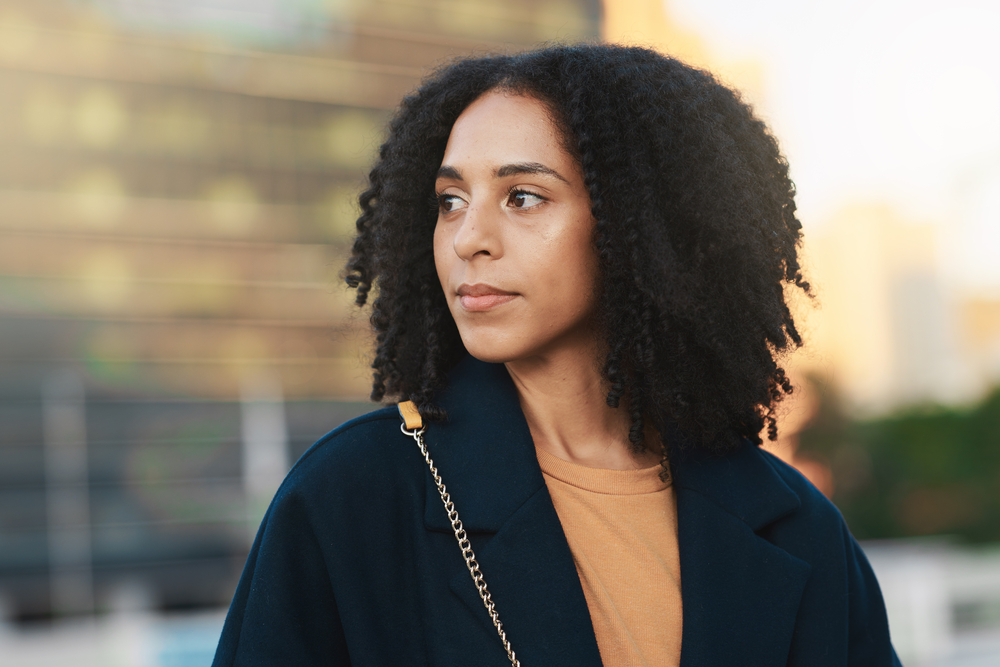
{"points": [[480, 289]]}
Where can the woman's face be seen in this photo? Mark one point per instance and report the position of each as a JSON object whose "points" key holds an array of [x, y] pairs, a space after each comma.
{"points": [[513, 243]]}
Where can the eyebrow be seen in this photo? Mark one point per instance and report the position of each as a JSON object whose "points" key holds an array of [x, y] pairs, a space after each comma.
{"points": [[505, 171], [526, 168], [450, 172]]}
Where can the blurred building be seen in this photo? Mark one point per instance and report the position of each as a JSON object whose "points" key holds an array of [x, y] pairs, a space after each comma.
{"points": [[979, 324], [176, 198], [888, 327]]}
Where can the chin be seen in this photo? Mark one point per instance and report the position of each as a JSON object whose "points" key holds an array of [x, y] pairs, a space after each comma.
{"points": [[492, 350], [490, 356]]}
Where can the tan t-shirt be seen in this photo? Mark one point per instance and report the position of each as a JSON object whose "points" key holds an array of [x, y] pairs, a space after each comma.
{"points": [[621, 526]]}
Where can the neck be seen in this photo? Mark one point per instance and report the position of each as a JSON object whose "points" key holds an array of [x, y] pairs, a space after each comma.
{"points": [[563, 397]]}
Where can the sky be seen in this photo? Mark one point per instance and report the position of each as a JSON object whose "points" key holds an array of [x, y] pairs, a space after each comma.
{"points": [[882, 100]]}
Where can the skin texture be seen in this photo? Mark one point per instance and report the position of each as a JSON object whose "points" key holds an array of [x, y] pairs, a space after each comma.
{"points": [[514, 252]]}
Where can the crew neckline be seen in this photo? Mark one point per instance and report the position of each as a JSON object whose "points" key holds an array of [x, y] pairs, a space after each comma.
{"points": [[602, 480]]}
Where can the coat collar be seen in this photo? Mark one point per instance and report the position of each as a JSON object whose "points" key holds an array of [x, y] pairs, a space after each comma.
{"points": [[486, 457], [743, 483], [484, 451], [740, 591]]}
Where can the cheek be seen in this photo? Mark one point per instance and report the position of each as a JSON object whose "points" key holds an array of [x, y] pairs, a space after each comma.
{"points": [[572, 258], [562, 270], [582, 280], [442, 249]]}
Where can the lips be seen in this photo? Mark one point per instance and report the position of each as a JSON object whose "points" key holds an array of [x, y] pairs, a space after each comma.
{"points": [[479, 297]]}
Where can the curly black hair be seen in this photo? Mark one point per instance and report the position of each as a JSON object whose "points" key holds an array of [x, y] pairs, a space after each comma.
{"points": [[695, 232]]}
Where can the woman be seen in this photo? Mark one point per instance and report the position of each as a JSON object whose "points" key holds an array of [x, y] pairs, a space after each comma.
{"points": [[579, 257]]}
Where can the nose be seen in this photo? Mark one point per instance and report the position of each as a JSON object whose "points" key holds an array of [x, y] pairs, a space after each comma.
{"points": [[478, 234]]}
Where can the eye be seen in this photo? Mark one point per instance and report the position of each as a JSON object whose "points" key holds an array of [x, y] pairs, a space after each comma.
{"points": [[448, 203], [524, 199]]}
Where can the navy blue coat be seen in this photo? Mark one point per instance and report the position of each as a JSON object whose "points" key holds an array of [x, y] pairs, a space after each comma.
{"points": [[356, 564]]}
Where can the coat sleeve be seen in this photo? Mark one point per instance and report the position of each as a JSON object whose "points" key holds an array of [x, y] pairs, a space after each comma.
{"points": [[868, 629], [284, 611]]}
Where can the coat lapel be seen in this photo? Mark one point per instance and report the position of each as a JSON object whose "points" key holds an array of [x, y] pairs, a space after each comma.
{"points": [[486, 457], [531, 576], [741, 593]]}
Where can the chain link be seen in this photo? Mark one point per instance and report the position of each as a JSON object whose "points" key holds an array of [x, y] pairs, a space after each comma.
{"points": [[463, 543]]}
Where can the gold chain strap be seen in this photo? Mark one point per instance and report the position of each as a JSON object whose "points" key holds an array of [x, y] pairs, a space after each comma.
{"points": [[417, 434]]}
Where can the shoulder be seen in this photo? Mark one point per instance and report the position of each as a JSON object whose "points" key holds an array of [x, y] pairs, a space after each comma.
{"points": [[373, 436], [842, 584], [364, 463], [755, 486]]}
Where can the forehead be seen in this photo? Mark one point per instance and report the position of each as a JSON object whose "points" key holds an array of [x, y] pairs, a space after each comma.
{"points": [[503, 128]]}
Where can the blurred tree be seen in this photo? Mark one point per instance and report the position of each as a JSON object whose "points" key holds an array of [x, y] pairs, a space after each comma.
{"points": [[925, 470]]}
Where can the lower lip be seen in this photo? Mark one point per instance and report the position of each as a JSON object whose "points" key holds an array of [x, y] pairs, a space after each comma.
{"points": [[477, 304]]}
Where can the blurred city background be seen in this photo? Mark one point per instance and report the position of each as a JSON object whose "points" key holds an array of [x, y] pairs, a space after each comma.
{"points": [[176, 201]]}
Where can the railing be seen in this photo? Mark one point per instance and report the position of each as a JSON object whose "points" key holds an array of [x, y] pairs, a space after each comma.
{"points": [[165, 493]]}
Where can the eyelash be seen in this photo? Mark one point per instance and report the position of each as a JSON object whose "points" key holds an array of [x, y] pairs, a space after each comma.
{"points": [[514, 191], [437, 201]]}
